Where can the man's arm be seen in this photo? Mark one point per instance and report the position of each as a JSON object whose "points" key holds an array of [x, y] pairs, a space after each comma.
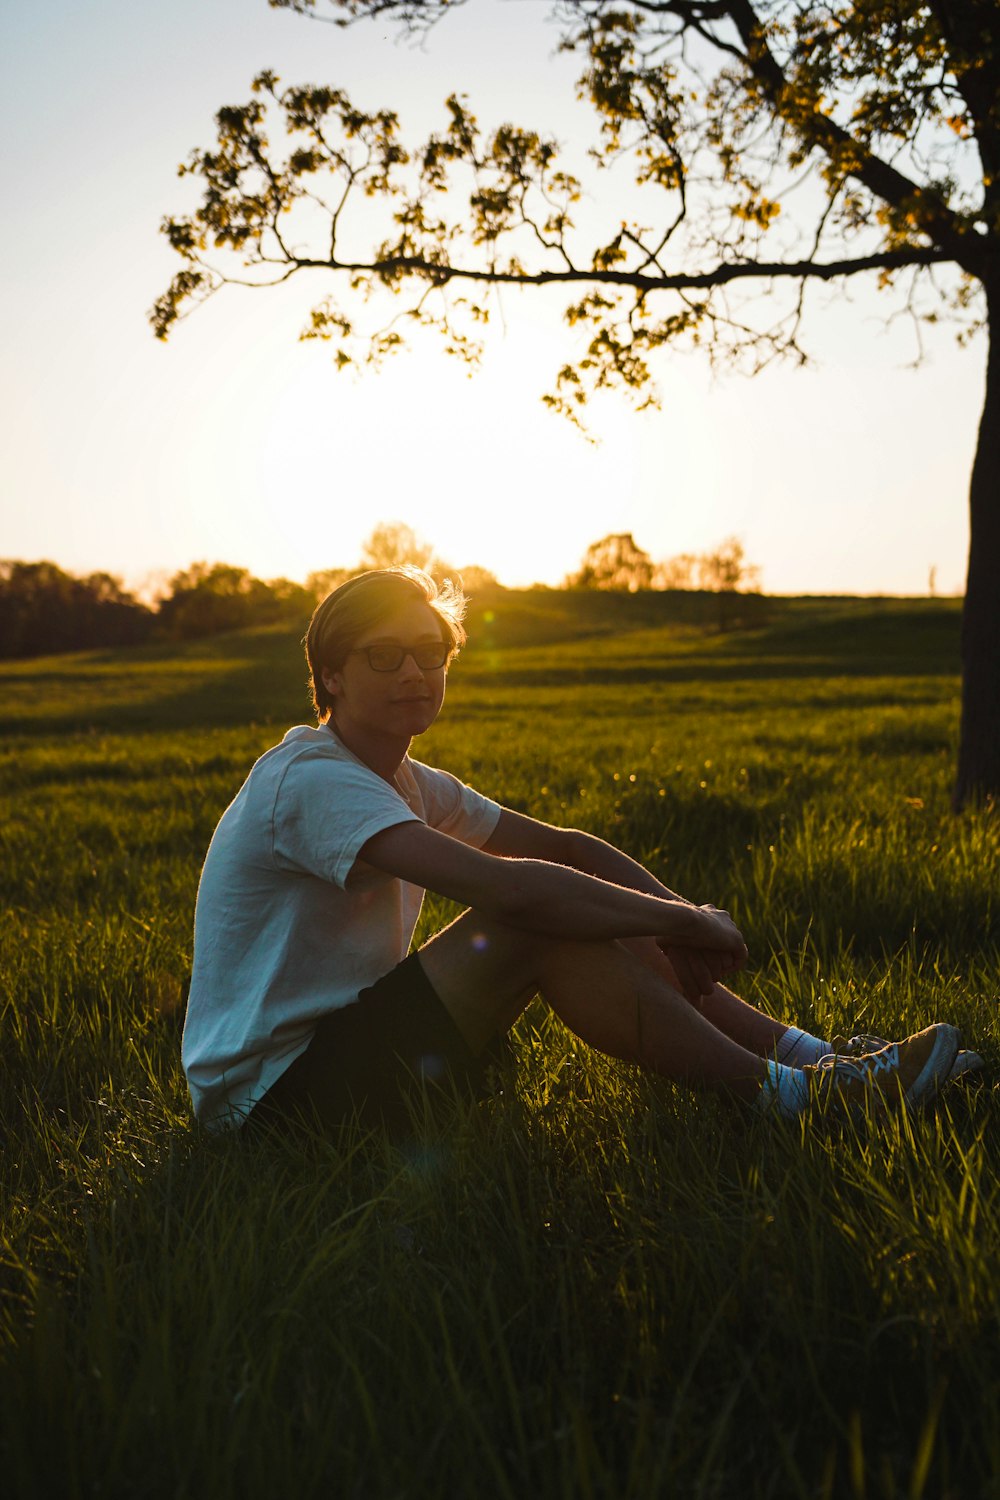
{"points": [[518, 836], [547, 897]]}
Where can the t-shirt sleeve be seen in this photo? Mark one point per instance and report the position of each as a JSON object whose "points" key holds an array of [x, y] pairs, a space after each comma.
{"points": [[325, 810], [454, 808]]}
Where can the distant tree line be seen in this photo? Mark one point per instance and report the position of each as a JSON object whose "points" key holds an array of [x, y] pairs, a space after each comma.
{"points": [[617, 562], [44, 609], [204, 600]]}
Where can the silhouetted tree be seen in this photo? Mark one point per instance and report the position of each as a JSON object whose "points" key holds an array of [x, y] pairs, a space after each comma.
{"points": [[614, 562], [286, 600], [43, 610], [325, 580], [676, 572], [392, 543], [208, 598], [793, 143], [477, 580], [726, 570], [205, 599]]}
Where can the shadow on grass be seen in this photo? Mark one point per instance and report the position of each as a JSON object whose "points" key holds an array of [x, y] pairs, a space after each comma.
{"points": [[242, 678]]}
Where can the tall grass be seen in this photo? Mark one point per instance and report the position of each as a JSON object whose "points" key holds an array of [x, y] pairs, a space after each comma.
{"points": [[590, 1283]]}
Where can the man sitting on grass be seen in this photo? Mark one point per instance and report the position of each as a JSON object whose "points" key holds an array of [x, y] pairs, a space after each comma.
{"points": [[304, 1003]]}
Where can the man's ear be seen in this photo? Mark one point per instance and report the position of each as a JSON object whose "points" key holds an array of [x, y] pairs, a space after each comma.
{"points": [[331, 681]]}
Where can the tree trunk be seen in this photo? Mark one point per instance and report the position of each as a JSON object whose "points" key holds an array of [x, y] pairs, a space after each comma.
{"points": [[978, 777]]}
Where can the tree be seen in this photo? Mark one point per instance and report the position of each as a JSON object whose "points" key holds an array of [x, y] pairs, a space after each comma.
{"points": [[205, 599], [676, 572], [208, 598], [393, 543], [614, 562], [325, 580], [478, 580], [43, 609], [389, 545], [787, 144], [726, 570]]}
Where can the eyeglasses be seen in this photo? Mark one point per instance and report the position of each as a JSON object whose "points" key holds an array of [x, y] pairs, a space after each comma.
{"points": [[428, 655]]}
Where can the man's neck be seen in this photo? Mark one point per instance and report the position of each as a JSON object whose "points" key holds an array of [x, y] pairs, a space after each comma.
{"points": [[383, 754]]}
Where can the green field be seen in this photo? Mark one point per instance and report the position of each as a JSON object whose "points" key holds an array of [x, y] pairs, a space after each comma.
{"points": [[592, 1284]]}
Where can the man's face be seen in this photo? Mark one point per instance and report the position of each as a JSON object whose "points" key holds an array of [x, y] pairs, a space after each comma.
{"points": [[399, 703]]}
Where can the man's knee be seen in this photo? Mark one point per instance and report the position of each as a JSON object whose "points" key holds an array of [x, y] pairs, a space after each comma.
{"points": [[485, 942], [484, 972], [480, 954]]}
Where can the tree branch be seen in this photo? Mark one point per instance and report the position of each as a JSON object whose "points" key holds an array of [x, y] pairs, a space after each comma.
{"points": [[932, 216], [391, 268]]}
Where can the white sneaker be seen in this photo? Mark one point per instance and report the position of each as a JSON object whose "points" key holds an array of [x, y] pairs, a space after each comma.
{"points": [[911, 1071], [862, 1045]]}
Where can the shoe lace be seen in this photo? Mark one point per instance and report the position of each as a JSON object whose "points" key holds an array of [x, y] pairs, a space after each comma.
{"points": [[858, 1046], [863, 1068], [884, 1061]]}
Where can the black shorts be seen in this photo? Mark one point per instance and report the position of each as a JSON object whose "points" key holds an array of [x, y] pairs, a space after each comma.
{"points": [[368, 1060]]}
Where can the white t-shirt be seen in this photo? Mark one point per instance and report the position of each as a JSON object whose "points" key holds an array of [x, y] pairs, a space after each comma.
{"points": [[289, 923]]}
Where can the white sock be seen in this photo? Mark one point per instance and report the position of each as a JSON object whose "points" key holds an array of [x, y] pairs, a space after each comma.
{"points": [[784, 1090], [796, 1048]]}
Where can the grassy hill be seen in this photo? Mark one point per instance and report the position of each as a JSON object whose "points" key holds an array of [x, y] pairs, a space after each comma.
{"points": [[594, 1283], [527, 636]]}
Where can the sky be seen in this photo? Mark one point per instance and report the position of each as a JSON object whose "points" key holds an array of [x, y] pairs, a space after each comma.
{"points": [[237, 442]]}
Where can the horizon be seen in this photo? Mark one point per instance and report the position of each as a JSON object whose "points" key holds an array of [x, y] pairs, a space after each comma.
{"points": [[142, 594]]}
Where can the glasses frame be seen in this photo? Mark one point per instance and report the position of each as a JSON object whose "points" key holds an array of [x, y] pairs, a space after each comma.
{"points": [[400, 653]]}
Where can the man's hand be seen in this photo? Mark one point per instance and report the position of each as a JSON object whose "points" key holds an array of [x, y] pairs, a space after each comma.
{"points": [[699, 969]]}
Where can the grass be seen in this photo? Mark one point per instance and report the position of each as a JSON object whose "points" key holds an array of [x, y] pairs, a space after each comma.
{"points": [[592, 1283]]}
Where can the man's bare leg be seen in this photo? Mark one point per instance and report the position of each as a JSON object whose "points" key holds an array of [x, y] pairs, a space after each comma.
{"points": [[750, 1027], [746, 1025], [484, 974]]}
